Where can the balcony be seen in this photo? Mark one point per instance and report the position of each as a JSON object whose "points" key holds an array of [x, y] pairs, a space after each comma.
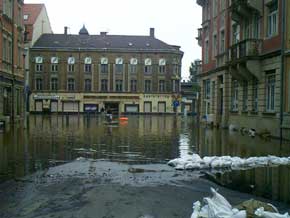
{"points": [[242, 9], [249, 48], [244, 59], [199, 37]]}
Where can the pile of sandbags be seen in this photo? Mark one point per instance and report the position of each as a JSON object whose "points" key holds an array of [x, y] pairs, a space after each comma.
{"points": [[218, 207], [195, 162]]}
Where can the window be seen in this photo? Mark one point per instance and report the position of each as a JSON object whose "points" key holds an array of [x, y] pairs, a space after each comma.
{"points": [[175, 69], [207, 89], [222, 41], [38, 84], [175, 85], [162, 69], [104, 85], [247, 29], [235, 96], [206, 47], [133, 65], [245, 96], [270, 92], [54, 67], [223, 5], [119, 65], [148, 69], [215, 48], [71, 84], [161, 85], [147, 85], [119, 85], [38, 67], [7, 8], [272, 19], [104, 68], [88, 68], [132, 68], [133, 85], [256, 26], [88, 85], [54, 84], [148, 66], [25, 17], [236, 34], [255, 95], [162, 65], [71, 67], [215, 7]]}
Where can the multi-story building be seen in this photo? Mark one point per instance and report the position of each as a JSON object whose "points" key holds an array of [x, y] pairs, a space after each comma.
{"points": [[88, 73], [11, 59], [36, 23], [241, 49]]}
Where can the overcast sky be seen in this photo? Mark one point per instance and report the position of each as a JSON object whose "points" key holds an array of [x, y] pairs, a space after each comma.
{"points": [[175, 21]]}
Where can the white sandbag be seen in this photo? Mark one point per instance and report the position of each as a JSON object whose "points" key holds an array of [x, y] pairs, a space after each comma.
{"points": [[216, 207], [260, 212]]}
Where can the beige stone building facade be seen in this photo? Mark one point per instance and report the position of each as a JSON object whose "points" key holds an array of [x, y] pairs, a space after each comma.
{"points": [[89, 73], [241, 51]]}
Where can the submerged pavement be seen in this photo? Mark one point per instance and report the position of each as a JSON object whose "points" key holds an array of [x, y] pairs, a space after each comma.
{"points": [[88, 188]]}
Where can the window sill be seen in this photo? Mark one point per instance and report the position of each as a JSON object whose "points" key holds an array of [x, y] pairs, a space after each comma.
{"points": [[234, 112]]}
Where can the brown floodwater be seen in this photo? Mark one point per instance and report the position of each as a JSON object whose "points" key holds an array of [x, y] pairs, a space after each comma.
{"points": [[53, 140]]}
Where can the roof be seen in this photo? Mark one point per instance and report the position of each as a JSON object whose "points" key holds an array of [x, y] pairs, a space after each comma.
{"points": [[32, 10], [102, 42]]}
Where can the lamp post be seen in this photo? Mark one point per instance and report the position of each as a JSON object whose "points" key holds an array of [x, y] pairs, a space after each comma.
{"points": [[26, 85]]}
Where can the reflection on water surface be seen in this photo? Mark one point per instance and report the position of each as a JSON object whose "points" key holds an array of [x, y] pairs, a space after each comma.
{"points": [[53, 140]]}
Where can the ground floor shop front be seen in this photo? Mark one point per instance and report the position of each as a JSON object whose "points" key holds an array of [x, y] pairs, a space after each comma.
{"points": [[96, 103]]}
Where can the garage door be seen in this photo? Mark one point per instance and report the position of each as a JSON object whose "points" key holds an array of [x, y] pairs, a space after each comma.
{"points": [[53, 106], [161, 107], [147, 107], [132, 108], [70, 106], [38, 106]]}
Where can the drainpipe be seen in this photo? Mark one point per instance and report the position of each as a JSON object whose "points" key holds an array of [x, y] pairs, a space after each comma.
{"points": [[283, 31], [12, 61]]}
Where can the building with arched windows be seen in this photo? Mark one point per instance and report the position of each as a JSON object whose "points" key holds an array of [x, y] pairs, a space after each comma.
{"points": [[88, 73]]}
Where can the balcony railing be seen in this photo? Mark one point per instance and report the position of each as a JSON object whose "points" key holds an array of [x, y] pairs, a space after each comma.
{"points": [[245, 49], [199, 37]]}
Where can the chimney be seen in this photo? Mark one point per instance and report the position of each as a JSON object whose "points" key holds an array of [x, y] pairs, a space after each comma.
{"points": [[65, 30], [152, 32], [103, 33]]}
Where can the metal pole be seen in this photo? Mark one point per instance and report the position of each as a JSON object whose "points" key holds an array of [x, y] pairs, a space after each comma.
{"points": [[12, 60]]}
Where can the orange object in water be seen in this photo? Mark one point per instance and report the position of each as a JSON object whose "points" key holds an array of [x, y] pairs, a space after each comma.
{"points": [[123, 118]]}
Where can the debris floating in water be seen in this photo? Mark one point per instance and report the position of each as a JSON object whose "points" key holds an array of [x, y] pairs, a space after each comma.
{"points": [[195, 162]]}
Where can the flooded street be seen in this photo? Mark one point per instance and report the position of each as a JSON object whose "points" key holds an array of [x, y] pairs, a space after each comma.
{"points": [[78, 166]]}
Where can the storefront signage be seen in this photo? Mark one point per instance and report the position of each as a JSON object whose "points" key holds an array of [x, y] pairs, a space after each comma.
{"points": [[46, 97]]}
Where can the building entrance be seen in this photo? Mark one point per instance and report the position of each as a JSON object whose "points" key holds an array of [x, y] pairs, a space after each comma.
{"points": [[113, 106]]}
